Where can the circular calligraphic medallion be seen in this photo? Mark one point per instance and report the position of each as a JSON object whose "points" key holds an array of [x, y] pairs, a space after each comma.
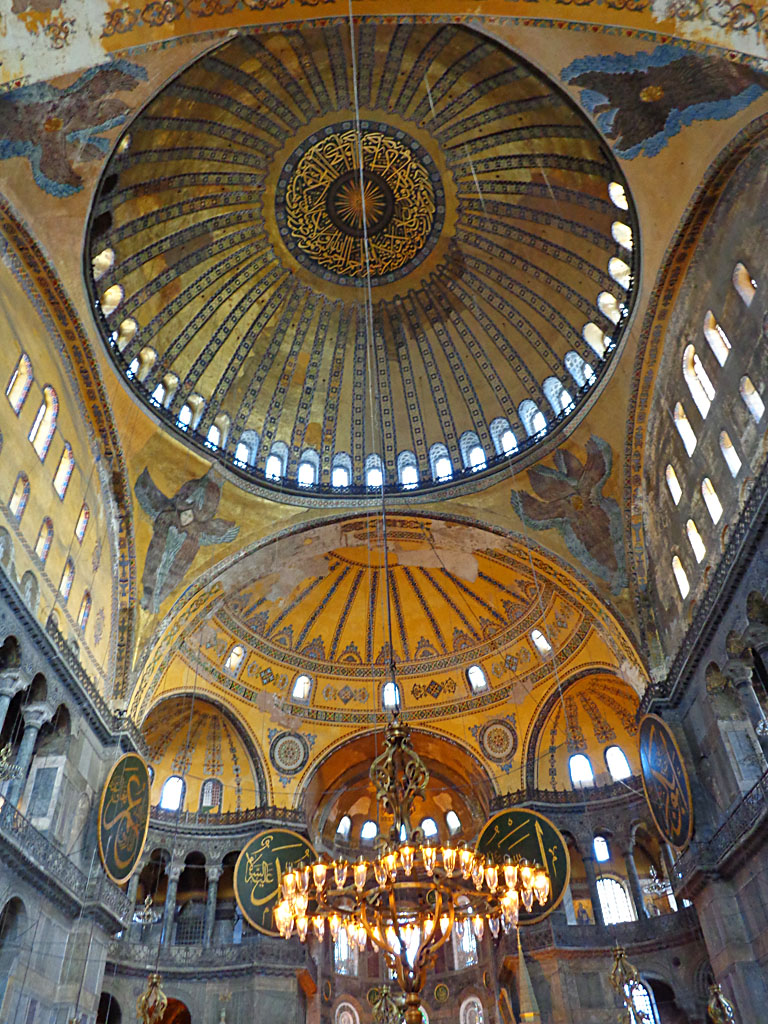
{"points": [[665, 781], [259, 872], [498, 741], [519, 832], [289, 752], [341, 221], [124, 817], [441, 992]]}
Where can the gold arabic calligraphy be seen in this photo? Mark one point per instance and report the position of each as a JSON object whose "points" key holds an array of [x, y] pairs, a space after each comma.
{"points": [[666, 785], [325, 210], [262, 872], [123, 817]]}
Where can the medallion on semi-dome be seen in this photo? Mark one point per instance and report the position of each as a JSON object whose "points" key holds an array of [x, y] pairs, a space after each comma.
{"points": [[344, 231]]}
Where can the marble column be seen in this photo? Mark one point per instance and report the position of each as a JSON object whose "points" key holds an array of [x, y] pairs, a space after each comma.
{"points": [[169, 911], [594, 895], [212, 874], [739, 671], [35, 716], [11, 682], [635, 888], [131, 893]]}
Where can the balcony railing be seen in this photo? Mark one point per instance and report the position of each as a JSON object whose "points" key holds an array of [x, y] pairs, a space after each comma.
{"points": [[267, 955], [205, 819], [631, 788], [664, 930]]}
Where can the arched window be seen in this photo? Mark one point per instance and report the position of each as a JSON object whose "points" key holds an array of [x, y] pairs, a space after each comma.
{"points": [[600, 849], [744, 284], [184, 419], [620, 272], [429, 828], [532, 417], [614, 901], [472, 453], [684, 429], [44, 539], [751, 399], [124, 335], [342, 829], [581, 372], [471, 1011], [369, 831], [580, 770], [440, 462], [622, 234], [20, 383], [345, 962], [673, 484], [464, 945], [711, 500], [211, 793], [159, 395], [556, 395], [172, 793], [19, 496], [407, 469], [102, 262], [681, 577], [609, 306], [374, 471], [716, 338], [64, 471], [644, 1003], [504, 441], [341, 470], [85, 611], [477, 679], [695, 540], [453, 822], [597, 340], [302, 687], [543, 646], [274, 467], [247, 448], [82, 522], [235, 659], [617, 764], [42, 430], [617, 195], [390, 696], [697, 379], [309, 468], [213, 440], [111, 299], [731, 456], [67, 579]]}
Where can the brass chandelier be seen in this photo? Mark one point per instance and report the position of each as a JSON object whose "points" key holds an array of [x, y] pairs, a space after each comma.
{"points": [[407, 899]]}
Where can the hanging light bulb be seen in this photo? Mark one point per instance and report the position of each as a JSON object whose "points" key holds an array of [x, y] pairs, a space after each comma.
{"points": [[319, 872], [318, 924], [491, 876], [510, 873], [302, 878], [525, 873], [527, 897], [541, 885], [494, 923], [478, 926], [429, 856], [379, 872], [289, 884], [390, 863], [361, 936], [360, 874], [510, 907], [302, 925], [466, 861], [340, 873], [406, 856], [334, 923], [445, 923], [449, 859], [478, 874], [300, 903]]}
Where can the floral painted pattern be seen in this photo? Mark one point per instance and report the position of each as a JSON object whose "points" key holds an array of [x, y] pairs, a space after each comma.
{"points": [[57, 128]]}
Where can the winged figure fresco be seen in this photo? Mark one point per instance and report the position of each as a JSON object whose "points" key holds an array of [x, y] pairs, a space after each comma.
{"points": [[181, 525]]}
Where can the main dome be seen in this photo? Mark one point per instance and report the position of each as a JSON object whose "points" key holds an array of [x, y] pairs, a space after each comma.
{"points": [[329, 284]]}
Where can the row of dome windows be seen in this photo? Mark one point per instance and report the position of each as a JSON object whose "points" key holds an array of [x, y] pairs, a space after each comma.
{"points": [[703, 393], [390, 694], [473, 455], [370, 829], [174, 791], [44, 425]]}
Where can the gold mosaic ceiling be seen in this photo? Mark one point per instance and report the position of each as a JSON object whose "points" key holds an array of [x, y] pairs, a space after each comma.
{"points": [[234, 210]]}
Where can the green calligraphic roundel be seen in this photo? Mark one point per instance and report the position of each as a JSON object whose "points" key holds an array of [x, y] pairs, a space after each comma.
{"points": [[665, 781], [518, 832], [259, 872], [124, 817]]}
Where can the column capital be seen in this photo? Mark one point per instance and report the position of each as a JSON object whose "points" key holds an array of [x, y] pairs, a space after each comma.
{"points": [[36, 715], [214, 873], [12, 680], [174, 871], [739, 670]]}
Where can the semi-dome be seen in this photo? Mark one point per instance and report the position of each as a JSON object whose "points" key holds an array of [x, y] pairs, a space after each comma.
{"points": [[329, 289]]}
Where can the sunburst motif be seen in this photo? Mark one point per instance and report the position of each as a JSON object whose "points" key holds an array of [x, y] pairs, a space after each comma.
{"points": [[354, 205]]}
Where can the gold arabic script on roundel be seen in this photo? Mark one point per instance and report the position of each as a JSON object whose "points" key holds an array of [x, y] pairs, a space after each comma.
{"points": [[328, 208]]}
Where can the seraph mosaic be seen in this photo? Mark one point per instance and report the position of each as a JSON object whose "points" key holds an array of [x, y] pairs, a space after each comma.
{"points": [[57, 128], [640, 101], [571, 500], [181, 525]]}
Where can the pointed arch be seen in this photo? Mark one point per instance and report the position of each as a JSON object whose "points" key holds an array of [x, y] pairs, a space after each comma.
{"points": [[20, 383]]}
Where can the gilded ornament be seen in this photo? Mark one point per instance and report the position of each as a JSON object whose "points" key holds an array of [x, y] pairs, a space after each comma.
{"points": [[152, 1003], [719, 1009]]}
